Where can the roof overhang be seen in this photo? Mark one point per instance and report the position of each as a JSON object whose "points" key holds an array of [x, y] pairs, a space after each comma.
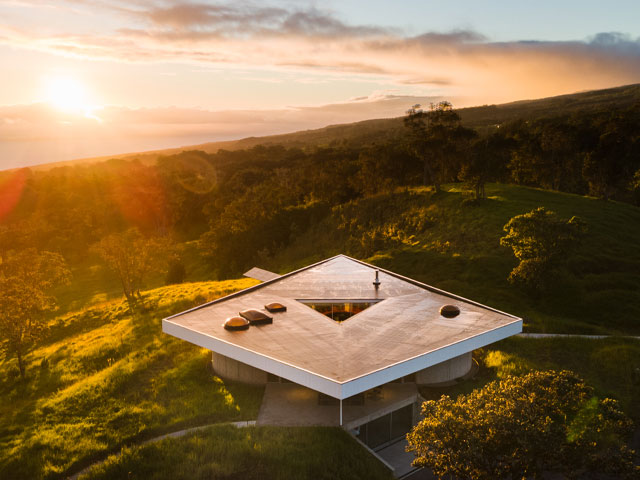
{"points": [[332, 387], [301, 344]]}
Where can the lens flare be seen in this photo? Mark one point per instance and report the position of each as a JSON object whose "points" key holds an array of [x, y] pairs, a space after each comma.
{"points": [[11, 187]]}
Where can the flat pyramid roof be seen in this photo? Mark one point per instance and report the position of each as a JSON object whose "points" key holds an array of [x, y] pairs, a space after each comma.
{"points": [[402, 333]]}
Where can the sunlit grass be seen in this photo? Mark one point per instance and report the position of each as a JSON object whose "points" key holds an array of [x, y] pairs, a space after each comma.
{"points": [[108, 378], [451, 243], [610, 365]]}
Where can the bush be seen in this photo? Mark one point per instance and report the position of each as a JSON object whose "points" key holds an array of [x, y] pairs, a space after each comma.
{"points": [[176, 274], [522, 426], [542, 243]]}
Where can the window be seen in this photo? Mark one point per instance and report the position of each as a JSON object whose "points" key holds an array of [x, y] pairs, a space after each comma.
{"points": [[339, 310]]}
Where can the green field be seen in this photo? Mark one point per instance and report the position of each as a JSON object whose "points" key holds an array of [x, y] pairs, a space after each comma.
{"points": [[452, 243], [610, 365], [247, 453], [103, 379]]}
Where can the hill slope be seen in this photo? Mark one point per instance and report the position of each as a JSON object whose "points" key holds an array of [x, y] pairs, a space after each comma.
{"points": [[449, 242], [370, 131], [103, 378]]}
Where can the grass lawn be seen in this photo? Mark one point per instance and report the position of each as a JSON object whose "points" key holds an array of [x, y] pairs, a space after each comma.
{"points": [[451, 243], [610, 365], [103, 378], [226, 452]]}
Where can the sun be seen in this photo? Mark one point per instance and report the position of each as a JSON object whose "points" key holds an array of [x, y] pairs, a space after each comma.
{"points": [[67, 94]]}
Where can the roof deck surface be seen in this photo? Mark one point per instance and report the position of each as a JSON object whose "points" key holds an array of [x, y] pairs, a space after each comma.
{"points": [[403, 330]]}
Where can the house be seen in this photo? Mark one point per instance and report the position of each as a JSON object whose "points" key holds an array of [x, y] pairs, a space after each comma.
{"points": [[342, 342]]}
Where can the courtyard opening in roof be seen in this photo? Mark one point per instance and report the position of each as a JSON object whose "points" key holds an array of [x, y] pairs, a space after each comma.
{"points": [[341, 310]]}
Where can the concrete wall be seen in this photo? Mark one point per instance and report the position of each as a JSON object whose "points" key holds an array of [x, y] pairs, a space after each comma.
{"points": [[231, 369], [445, 371]]}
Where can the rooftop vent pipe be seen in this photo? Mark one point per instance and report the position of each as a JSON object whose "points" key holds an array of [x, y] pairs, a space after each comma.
{"points": [[376, 282]]}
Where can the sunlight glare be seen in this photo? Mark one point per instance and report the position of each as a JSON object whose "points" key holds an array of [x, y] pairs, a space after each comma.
{"points": [[68, 95]]}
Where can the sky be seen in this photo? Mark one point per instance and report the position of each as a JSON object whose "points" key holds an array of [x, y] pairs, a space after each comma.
{"points": [[87, 78]]}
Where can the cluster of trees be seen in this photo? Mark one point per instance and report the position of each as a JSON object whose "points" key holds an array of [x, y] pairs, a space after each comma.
{"points": [[27, 278], [240, 197], [596, 153], [131, 257], [437, 138], [524, 427]]}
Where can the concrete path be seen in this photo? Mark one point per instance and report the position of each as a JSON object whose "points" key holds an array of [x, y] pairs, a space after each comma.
{"points": [[179, 433], [399, 459]]}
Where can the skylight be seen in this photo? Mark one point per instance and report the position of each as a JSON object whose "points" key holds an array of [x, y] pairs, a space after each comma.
{"points": [[340, 310]]}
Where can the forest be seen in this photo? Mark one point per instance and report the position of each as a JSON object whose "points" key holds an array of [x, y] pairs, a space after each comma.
{"points": [[254, 201]]}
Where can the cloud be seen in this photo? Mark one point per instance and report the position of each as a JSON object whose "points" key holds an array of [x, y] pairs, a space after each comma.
{"points": [[241, 34], [237, 37], [231, 18], [242, 20]]}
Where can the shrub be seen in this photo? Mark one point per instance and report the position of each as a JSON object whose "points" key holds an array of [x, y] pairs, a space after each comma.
{"points": [[522, 426], [541, 242], [176, 274]]}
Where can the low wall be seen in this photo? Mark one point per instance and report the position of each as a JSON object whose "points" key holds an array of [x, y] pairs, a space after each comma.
{"points": [[445, 371], [231, 369]]}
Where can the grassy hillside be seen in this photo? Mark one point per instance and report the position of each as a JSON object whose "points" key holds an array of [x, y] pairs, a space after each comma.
{"points": [[610, 365], [451, 243], [102, 378], [249, 453], [371, 131]]}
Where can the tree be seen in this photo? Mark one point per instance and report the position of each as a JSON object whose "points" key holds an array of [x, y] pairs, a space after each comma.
{"points": [[541, 242], [132, 257], [486, 161], [25, 281], [435, 137], [520, 427], [381, 168], [634, 187], [612, 163]]}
